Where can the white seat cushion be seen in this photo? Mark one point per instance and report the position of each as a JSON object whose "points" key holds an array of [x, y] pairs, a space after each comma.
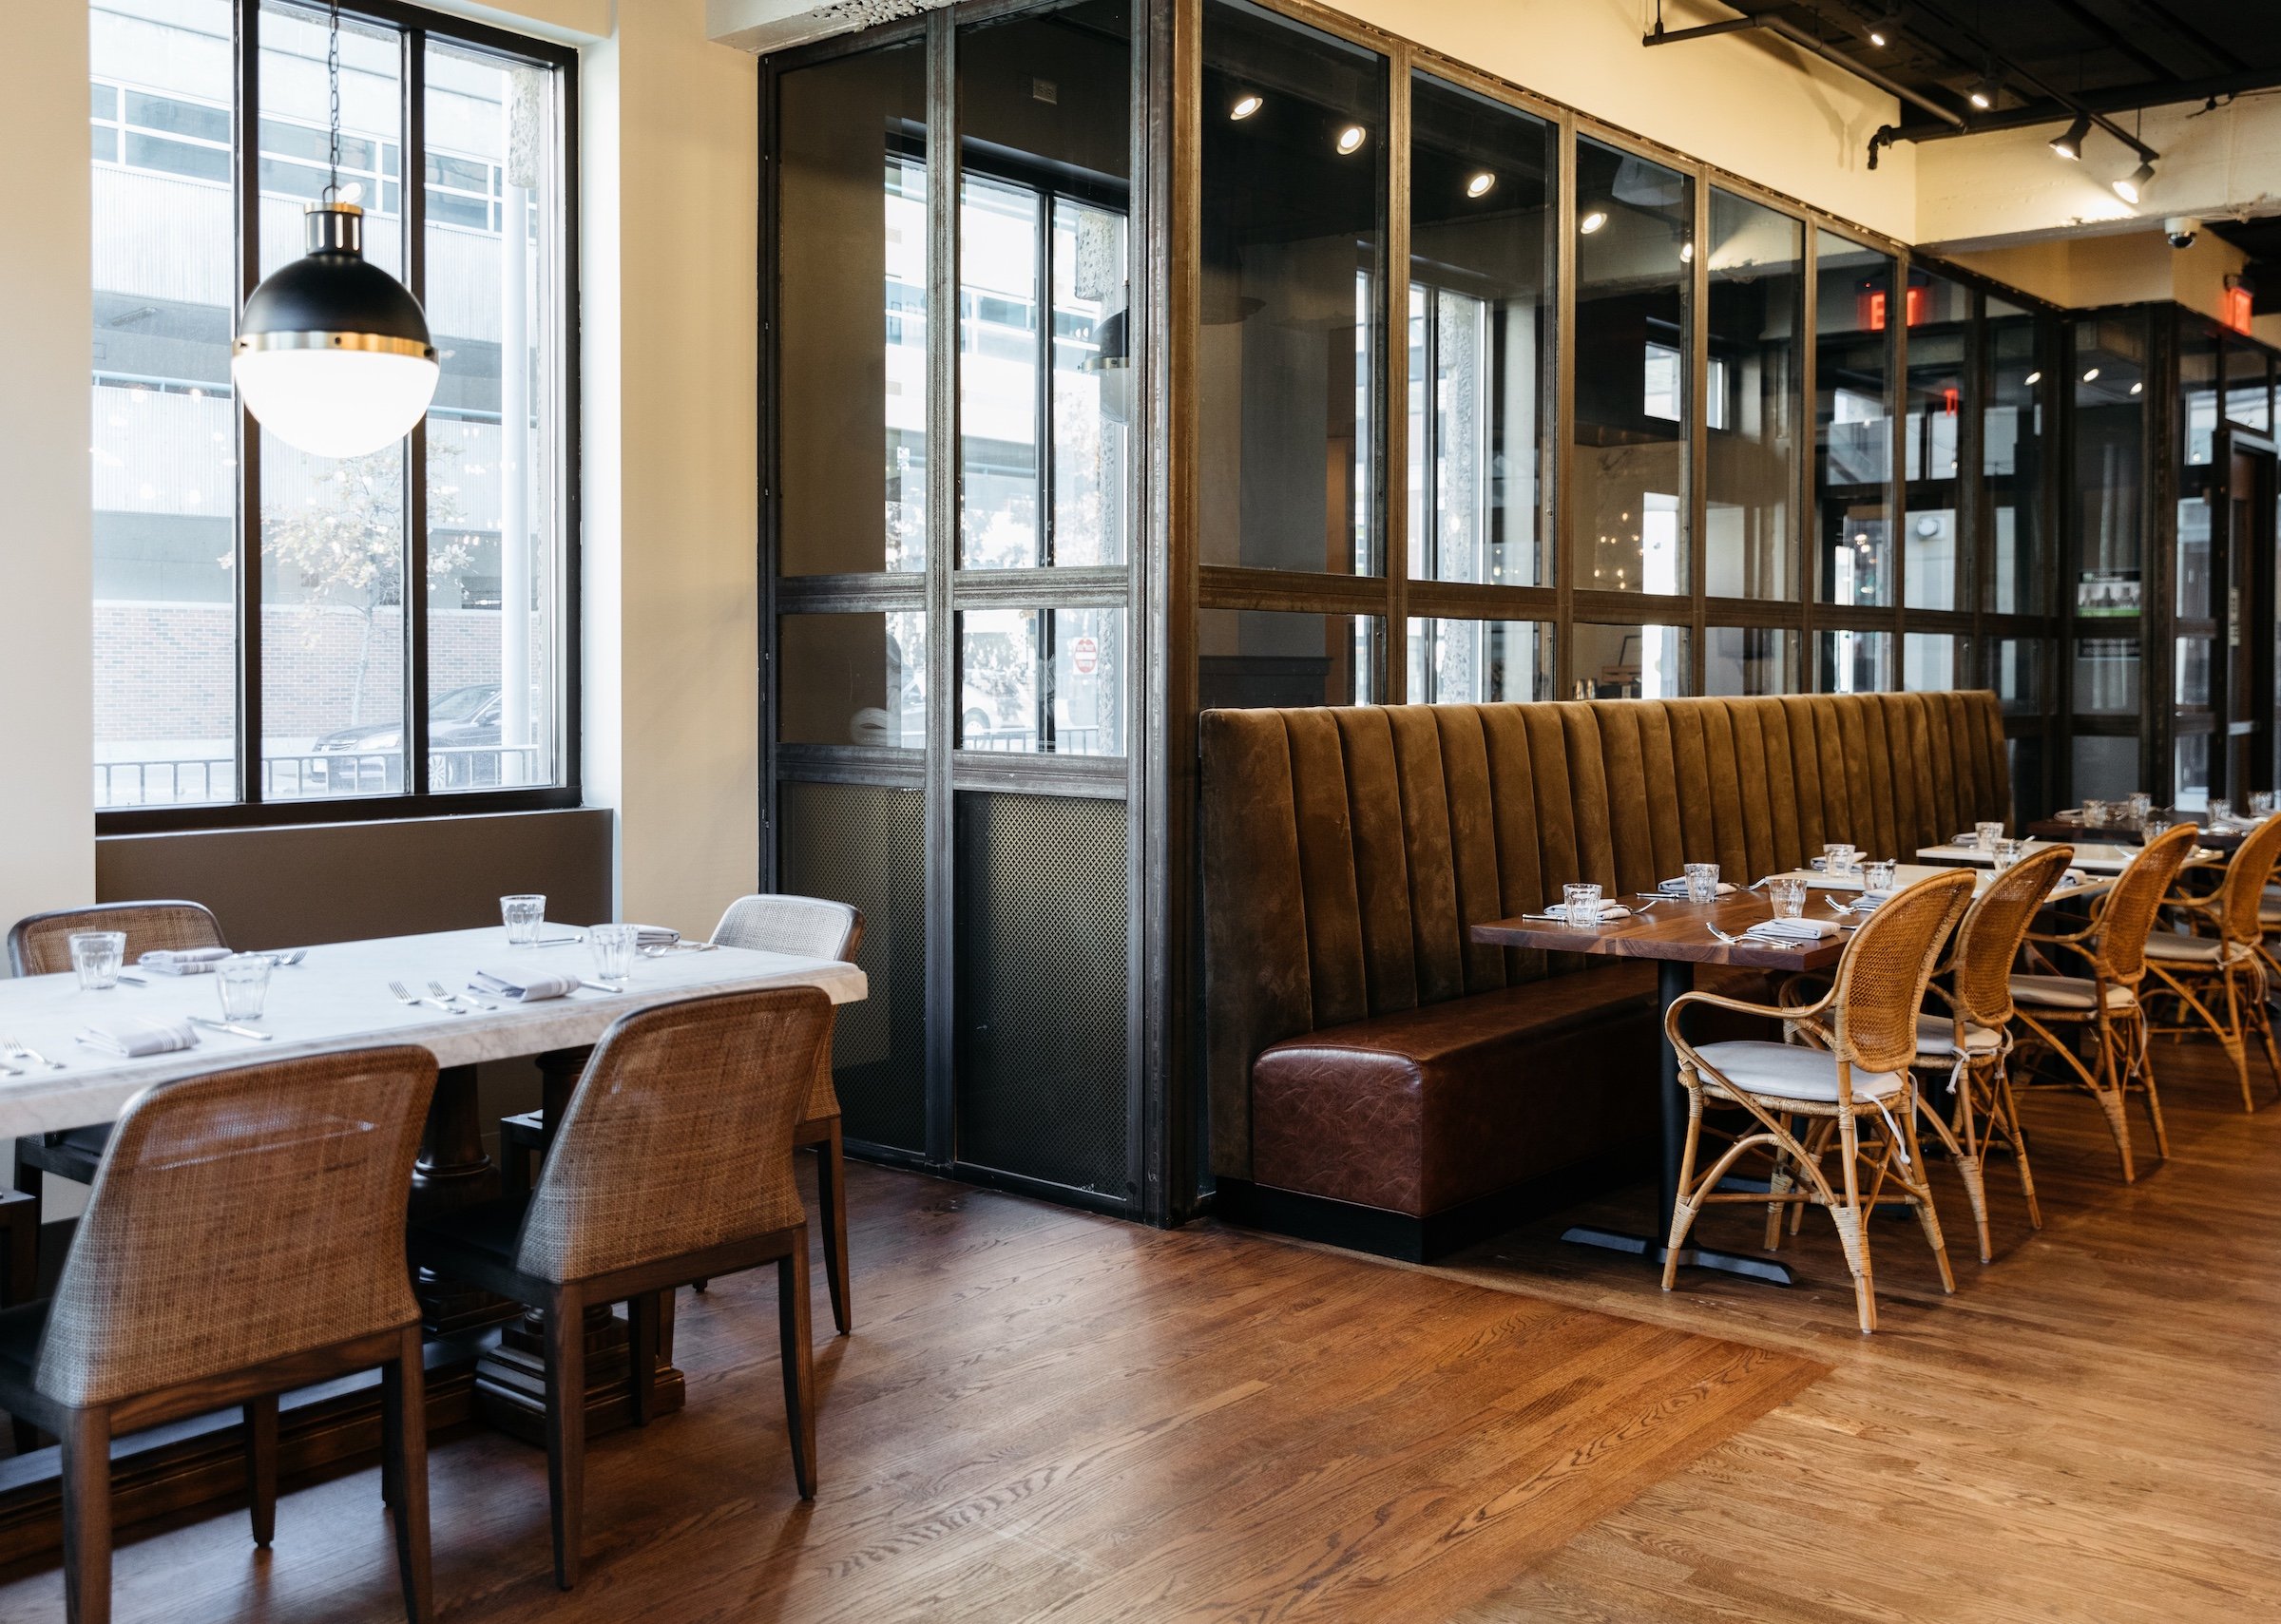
{"points": [[1792, 1071], [2066, 992], [1936, 1039], [2191, 949]]}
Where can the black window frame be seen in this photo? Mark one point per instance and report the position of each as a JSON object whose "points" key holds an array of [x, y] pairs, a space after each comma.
{"points": [[416, 26]]}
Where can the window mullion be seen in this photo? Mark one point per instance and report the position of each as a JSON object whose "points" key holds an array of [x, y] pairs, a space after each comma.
{"points": [[246, 125], [413, 170]]}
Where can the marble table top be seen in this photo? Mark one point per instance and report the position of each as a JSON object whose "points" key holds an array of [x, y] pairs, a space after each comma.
{"points": [[337, 998]]}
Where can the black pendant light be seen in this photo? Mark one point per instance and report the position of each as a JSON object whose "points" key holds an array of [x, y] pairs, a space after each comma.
{"points": [[333, 353]]}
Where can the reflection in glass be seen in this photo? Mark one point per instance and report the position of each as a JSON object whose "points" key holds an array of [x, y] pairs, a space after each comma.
{"points": [[2109, 401], [2106, 768], [853, 679], [1853, 422], [1294, 187], [2198, 387], [1043, 102], [1756, 282], [1746, 661], [851, 248], [1927, 662], [2106, 676], [1483, 662], [1627, 525], [1251, 657], [1857, 662], [1482, 211], [2194, 559], [2193, 672], [2248, 393], [1939, 313], [2190, 791], [1042, 681], [1630, 662], [2012, 455], [2017, 676]]}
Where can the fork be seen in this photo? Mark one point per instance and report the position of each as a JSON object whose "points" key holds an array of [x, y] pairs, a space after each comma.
{"points": [[437, 988], [18, 1052], [1753, 942], [404, 995]]}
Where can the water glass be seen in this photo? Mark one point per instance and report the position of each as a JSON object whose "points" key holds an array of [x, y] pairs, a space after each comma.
{"points": [[2004, 853], [2095, 813], [1583, 904], [2220, 812], [523, 915], [614, 948], [2153, 827], [2261, 803], [1985, 835], [97, 955], [1789, 894], [1703, 882], [1878, 876], [1838, 857], [242, 979], [2139, 805]]}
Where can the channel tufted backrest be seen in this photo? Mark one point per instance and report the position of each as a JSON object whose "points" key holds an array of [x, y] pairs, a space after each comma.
{"points": [[1349, 851]]}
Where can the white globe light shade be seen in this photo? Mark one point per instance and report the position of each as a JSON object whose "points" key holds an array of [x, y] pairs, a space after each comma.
{"points": [[335, 402]]}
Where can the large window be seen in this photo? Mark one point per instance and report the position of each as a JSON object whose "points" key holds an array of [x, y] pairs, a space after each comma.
{"points": [[1754, 310], [280, 635]]}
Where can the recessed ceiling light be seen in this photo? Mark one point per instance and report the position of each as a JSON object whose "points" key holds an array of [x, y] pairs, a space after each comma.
{"points": [[2137, 388], [1246, 105], [2090, 373], [2069, 143], [1351, 138], [1481, 186], [1592, 221], [2033, 379], [2131, 185], [1686, 253]]}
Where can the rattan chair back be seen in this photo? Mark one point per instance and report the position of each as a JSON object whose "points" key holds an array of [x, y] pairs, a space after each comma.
{"points": [[2135, 902], [679, 1136], [2243, 894], [240, 1217], [41, 945], [1883, 973], [809, 927], [1989, 940]]}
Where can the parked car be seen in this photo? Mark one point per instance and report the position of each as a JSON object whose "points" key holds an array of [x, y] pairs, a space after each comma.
{"points": [[461, 724]]}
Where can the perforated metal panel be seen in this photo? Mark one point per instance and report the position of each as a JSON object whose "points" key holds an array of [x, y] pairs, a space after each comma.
{"points": [[1042, 932], [865, 845]]}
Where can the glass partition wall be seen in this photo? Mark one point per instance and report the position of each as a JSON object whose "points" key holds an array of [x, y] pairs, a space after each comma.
{"points": [[1272, 361]]}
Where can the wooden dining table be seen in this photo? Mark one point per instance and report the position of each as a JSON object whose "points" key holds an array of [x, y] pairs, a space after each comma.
{"points": [[483, 1359], [1676, 934]]}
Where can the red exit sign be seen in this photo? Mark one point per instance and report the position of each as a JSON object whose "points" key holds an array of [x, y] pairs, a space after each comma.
{"points": [[2238, 308]]}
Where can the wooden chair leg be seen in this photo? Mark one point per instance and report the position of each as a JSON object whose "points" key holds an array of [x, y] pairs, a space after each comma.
{"points": [[404, 1382], [832, 1196], [641, 1324], [798, 1359], [261, 1466], [87, 1440], [567, 1428]]}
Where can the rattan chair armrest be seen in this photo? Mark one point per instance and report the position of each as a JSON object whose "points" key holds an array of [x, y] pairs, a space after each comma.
{"points": [[2072, 944], [1742, 1006]]}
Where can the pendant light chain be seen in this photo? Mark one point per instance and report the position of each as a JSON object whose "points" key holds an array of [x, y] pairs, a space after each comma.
{"points": [[333, 79]]}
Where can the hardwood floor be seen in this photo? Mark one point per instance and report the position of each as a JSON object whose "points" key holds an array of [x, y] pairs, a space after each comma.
{"points": [[1049, 1416]]}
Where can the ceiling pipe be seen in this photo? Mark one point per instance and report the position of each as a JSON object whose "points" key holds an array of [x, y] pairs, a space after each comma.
{"points": [[1828, 53]]}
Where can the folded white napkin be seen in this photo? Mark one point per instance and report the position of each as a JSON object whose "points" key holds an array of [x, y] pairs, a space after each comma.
{"points": [[2075, 877], [135, 1036], [1679, 887], [522, 986], [1607, 911], [1868, 902], [656, 936], [189, 961], [1808, 929]]}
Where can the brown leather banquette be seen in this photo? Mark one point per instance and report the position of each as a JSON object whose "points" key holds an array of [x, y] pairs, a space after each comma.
{"points": [[1377, 1078]]}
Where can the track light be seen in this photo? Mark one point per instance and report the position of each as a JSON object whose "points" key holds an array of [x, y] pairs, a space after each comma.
{"points": [[2131, 185], [1885, 28], [1351, 138], [2090, 374], [2032, 379], [2137, 388], [1592, 222], [2069, 143], [1481, 186], [1983, 94], [1246, 105]]}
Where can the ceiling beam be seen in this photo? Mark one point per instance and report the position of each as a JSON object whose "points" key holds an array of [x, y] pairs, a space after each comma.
{"points": [[2114, 99]]}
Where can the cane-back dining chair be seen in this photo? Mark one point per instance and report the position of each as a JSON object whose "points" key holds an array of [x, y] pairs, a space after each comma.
{"points": [[244, 1237], [1854, 1070], [1976, 1112], [672, 1164], [2222, 960], [2102, 1006], [41, 945]]}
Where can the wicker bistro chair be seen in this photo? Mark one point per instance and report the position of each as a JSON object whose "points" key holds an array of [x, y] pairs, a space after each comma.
{"points": [[811, 927], [2103, 1007], [672, 1164], [245, 1236], [1972, 1042], [2195, 970], [1868, 1023], [41, 945]]}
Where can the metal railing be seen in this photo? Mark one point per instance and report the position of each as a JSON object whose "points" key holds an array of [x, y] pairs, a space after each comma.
{"points": [[196, 780]]}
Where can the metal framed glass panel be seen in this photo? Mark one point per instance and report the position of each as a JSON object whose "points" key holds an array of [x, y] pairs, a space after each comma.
{"points": [[856, 679], [1747, 661], [2015, 446], [1480, 662], [1940, 395], [1248, 658], [1853, 422], [1856, 661], [1630, 662], [1755, 313]]}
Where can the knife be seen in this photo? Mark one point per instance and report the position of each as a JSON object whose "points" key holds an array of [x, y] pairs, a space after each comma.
{"points": [[233, 1030]]}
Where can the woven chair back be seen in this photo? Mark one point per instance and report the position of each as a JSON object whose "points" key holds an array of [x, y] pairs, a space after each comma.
{"points": [[41, 945], [678, 1136], [239, 1218], [2135, 900], [809, 927], [2246, 876], [1993, 928], [1881, 976]]}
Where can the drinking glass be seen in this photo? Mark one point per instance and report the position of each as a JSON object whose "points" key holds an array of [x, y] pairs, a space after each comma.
{"points": [[1703, 882], [1789, 894], [2261, 803], [2003, 855], [97, 955], [2220, 812], [1837, 857], [242, 979], [1985, 835], [2139, 805], [1878, 876], [2095, 813], [614, 947], [1583, 903], [523, 915], [2153, 827]]}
